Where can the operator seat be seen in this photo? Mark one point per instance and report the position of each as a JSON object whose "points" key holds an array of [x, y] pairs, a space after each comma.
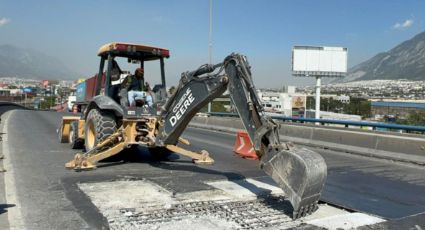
{"points": [[159, 93], [123, 99], [114, 92]]}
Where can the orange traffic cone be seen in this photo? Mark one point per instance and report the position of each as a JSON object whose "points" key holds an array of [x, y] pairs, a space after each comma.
{"points": [[243, 146]]}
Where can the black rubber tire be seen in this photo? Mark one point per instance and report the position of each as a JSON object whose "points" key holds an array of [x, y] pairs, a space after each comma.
{"points": [[160, 153], [104, 126], [74, 141], [60, 133]]}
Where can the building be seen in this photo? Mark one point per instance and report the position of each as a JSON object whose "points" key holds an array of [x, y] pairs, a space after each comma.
{"points": [[5, 92], [275, 102], [287, 103], [342, 98], [289, 89], [333, 116]]}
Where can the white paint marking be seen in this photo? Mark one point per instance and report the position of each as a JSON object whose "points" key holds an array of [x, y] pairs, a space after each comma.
{"points": [[248, 188], [346, 221], [14, 214]]}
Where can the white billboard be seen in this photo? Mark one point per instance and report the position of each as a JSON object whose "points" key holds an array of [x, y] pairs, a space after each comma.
{"points": [[319, 61]]}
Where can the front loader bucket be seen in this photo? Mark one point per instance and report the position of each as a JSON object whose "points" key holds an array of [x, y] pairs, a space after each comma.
{"points": [[301, 173]]}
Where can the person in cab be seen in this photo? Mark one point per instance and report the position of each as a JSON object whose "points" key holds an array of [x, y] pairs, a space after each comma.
{"points": [[137, 88]]}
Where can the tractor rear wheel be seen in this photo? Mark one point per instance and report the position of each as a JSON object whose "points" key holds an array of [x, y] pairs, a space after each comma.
{"points": [[99, 125], [60, 133]]}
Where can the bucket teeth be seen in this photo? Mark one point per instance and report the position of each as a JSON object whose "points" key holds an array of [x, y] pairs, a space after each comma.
{"points": [[305, 210]]}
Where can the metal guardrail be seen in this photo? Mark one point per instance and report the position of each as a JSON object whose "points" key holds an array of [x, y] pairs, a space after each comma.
{"points": [[373, 125]]}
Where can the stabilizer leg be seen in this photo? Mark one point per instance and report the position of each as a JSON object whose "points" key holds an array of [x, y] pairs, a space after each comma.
{"points": [[88, 160], [198, 158]]}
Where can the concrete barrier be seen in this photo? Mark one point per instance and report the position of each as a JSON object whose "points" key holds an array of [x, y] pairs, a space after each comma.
{"points": [[218, 123], [393, 146], [6, 106]]}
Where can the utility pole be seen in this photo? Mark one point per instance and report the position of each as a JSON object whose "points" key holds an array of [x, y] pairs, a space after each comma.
{"points": [[51, 97], [317, 112], [210, 47], [210, 35]]}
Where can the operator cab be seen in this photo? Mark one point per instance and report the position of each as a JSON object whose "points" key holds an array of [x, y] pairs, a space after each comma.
{"points": [[111, 84]]}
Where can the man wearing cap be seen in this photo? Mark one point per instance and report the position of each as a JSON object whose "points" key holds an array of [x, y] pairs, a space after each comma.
{"points": [[136, 87]]}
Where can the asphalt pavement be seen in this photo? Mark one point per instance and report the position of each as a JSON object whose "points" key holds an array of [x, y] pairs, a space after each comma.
{"points": [[384, 188], [46, 196]]}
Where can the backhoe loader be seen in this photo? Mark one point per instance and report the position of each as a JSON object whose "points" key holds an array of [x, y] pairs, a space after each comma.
{"points": [[107, 124]]}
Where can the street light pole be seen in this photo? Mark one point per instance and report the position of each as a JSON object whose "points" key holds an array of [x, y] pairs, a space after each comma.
{"points": [[210, 34], [51, 97], [210, 47]]}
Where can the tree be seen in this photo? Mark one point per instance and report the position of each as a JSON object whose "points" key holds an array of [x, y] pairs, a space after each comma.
{"points": [[171, 90], [326, 104], [416, 118], [331, 105], [358, 106], [311, 102], [48, 102], [216, 106]]}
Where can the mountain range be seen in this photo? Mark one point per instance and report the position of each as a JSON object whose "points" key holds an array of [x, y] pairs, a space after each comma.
{"points": [[32, 64], [405, 61]]}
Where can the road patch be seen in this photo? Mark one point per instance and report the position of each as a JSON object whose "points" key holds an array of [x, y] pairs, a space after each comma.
{"points": [[241, 204]]}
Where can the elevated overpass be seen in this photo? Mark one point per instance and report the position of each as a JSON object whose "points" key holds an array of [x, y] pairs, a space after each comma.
{"points": [[134, 191]]}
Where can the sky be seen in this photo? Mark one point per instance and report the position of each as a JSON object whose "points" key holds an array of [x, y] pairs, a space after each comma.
{"points": [[263, 30]]}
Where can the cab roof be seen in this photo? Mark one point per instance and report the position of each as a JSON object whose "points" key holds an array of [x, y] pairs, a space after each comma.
{"points": [[135, 51]]}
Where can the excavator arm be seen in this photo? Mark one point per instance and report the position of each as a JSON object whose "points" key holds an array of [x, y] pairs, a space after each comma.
{"points": [[301, 173]]}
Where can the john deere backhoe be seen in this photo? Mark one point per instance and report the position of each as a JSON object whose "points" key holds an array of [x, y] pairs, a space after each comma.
{"points": [[107, 125]]}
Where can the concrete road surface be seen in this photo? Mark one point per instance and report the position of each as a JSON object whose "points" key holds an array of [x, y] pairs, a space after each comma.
{"points": [[39, 193]]}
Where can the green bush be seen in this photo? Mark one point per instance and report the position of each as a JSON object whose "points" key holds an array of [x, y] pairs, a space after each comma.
{"points": [[48, 102]]}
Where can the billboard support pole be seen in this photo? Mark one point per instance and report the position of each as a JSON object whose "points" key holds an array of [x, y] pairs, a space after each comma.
{"points": [[317, 112]]}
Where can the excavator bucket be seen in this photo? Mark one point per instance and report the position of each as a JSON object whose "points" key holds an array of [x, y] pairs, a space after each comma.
{"points": [[300, 172]]}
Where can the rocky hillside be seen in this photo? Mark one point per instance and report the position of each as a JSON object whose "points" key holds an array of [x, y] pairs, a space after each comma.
{"points": [[31, 64], [405, 61]]}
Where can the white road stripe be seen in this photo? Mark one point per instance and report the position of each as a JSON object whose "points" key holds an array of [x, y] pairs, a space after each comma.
{"points": [[14, 214]]}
